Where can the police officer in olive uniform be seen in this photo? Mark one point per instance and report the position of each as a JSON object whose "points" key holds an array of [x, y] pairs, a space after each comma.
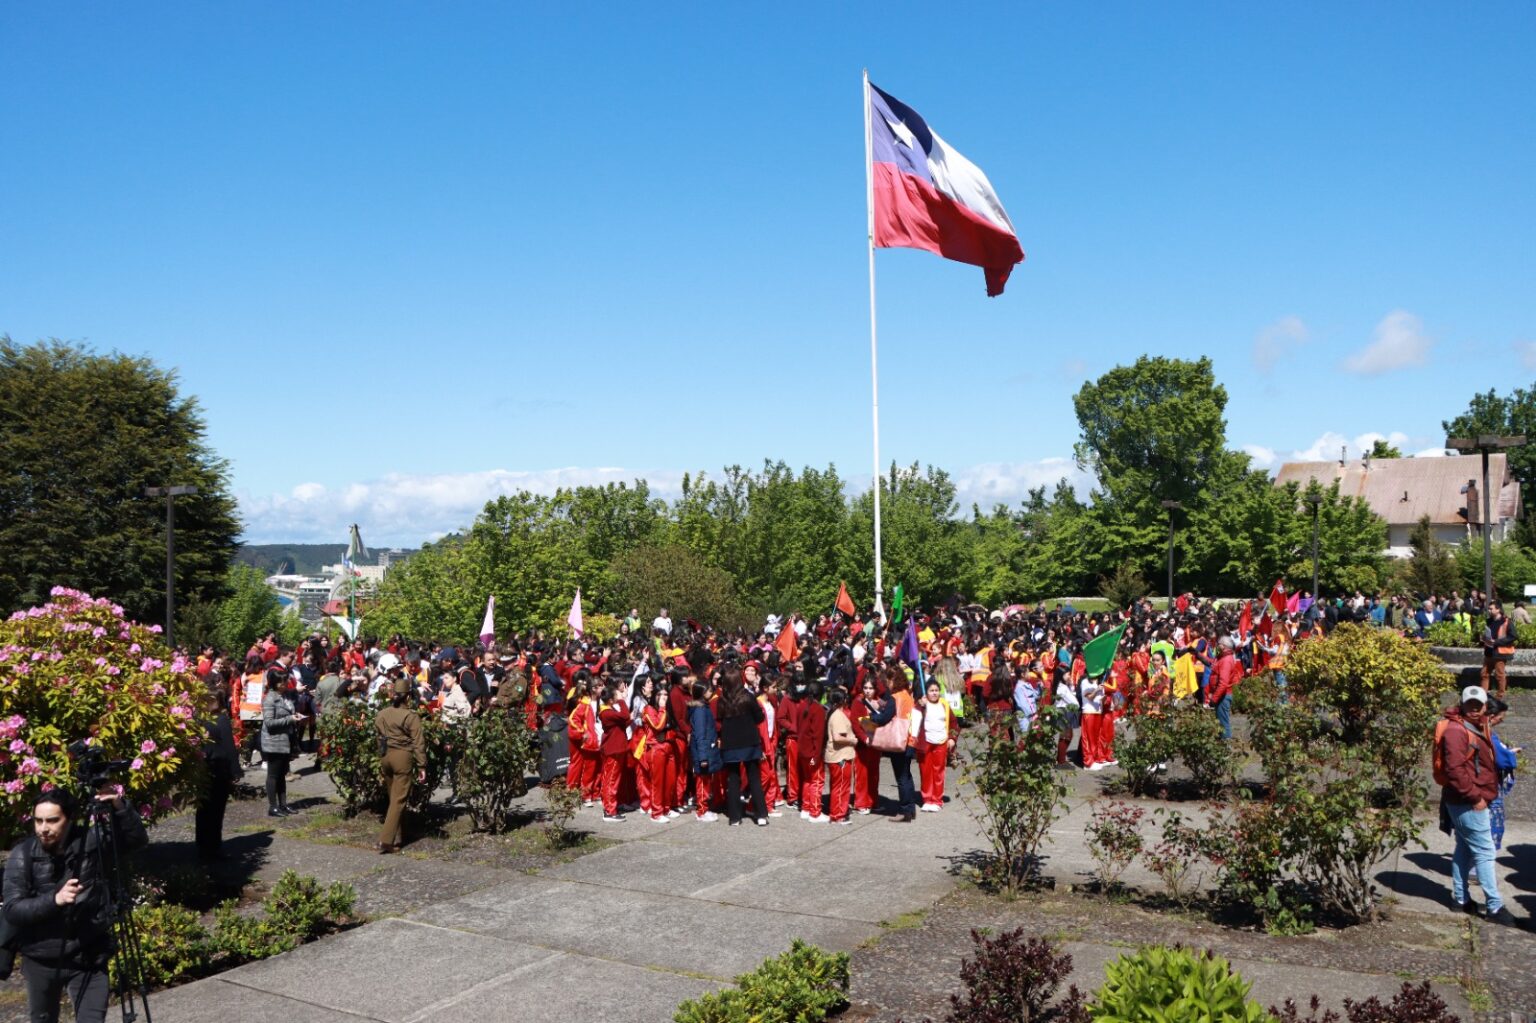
{"points": [[405, 755]]}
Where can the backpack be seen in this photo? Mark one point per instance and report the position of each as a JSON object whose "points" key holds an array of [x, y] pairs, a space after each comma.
{"points": [[1437, 758]]}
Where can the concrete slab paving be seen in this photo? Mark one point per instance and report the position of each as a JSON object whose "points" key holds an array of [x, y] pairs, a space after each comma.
{"points": [[563, 988], [217, 1000], [390, 970], [657, 867]]}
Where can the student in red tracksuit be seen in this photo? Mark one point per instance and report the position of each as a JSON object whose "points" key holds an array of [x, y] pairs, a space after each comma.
{"points": [[789, 708], [841, 744], [932, 736], [866, 768], [582, 729], [656, 761], [811, 729], [614, 716], [769, 732], [677, 709]]}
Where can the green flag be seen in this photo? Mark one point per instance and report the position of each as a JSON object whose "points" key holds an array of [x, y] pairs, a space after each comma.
{"points": [[1099, 654], [896, 603]]}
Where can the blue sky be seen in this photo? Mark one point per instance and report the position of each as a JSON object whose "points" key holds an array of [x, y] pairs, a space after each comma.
{"points": [[409, 255]]}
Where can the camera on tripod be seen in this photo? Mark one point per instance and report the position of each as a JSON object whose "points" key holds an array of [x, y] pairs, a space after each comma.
{"points": [[93, 770]]}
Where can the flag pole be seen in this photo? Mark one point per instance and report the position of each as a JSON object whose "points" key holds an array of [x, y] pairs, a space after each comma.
{"points": [[874, 371]]}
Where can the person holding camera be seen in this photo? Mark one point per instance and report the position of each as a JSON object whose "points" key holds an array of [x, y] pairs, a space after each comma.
{"points": [[280, 721], [59, 905]]}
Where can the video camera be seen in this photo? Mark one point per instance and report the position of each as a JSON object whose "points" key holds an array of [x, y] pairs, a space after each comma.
{"points": [[92, 767]]}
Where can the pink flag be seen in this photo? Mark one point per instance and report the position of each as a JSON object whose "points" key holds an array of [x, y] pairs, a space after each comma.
{"points": [[574, 618], [488, 627]]}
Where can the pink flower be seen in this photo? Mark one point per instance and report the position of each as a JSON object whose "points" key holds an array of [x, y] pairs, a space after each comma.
{"points": [[30, 766], [13, 787], [135, 648], [148, 746], [98, 632], [17, 746], [137, 765], [168, 753]]}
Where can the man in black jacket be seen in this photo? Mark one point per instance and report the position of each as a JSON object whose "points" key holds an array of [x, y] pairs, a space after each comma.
{"points": [[57, 898]]}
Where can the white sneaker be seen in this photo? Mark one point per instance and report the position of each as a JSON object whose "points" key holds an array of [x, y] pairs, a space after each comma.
{"points": [[1096, 767], [661, 820], [1111, 763], [709, 817], [588, 803], [671, 814], [864, 812], [805, 815], [930, 808], [820, 818], [775, 813]]}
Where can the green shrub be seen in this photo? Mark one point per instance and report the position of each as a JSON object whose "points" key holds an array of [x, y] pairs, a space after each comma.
{"points": [[1358, 673], [1525, 636], [75, 669], [1180, 856], [1198, 743], [241, 939], [1448, 634], [173, 944], [1173, 985], [561, 802], [493, 754], [803, 985], [298, 905], [1149, 744], [1114, 840], [1254, 692], [1021, 794], [349, 754]]}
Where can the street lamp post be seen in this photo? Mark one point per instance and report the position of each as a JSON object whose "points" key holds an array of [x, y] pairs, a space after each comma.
{"points": [[1486, 443], [170, 494], [1316, 501], [1172, 506]]}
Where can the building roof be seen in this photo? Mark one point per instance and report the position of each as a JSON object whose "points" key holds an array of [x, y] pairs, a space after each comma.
{"points": [[1404, 490]]}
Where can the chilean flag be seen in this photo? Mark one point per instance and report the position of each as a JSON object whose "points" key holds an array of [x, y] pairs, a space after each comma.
{"points": [[928, 196]]}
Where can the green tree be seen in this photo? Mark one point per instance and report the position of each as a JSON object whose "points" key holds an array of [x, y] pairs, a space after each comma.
{"points": [[923, 544], [1516, 414], [1513, 567], [1381, 449], [250, 610], [1152, 431], [673, 577], [81, 437], [1431, 569]]}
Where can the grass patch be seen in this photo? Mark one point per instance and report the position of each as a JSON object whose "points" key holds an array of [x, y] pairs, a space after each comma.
{"points": [[905, 921]]}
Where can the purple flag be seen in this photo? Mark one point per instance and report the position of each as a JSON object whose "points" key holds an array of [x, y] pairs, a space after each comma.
{"points": [[909, 649]]}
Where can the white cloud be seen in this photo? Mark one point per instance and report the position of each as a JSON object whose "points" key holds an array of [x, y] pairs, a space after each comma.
{"points": [[1261, 457], [403, 509], [1397, 342], [1527, 352], [1277, 340]]}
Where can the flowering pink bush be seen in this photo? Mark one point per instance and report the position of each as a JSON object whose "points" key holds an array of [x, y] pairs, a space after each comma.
{"points": [[74, 669]]}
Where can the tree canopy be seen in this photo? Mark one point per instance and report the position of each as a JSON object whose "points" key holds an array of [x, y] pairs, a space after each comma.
{"points": [[81, 437]]}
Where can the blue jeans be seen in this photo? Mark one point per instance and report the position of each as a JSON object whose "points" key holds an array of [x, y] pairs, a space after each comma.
{"points": [[1224, 715], [1474, 850], [1280, 685]]}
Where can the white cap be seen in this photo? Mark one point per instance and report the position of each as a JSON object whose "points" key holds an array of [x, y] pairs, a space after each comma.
{"points": [[1477, 693], [387, 661]]}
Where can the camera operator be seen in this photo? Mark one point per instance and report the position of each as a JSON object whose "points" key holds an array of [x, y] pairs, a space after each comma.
{"points": [[59, 903]]}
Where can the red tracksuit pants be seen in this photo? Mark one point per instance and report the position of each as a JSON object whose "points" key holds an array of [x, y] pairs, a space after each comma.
{"points": [[613, 775], [841, 776], [582, 775], [866, 778], [706, 790], [772, 797], [656, 780], [931, 767], [792, 768], [1092, 745], [810, 787]]}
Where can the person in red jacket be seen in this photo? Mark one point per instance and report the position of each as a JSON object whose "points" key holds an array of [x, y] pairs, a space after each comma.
{"points": [[866, 767], [1471, 783], [1225, 674], [614, 715], [677, 710], [582, 728], [811, 731], [789, 708], [656, 760], [768, 731]]}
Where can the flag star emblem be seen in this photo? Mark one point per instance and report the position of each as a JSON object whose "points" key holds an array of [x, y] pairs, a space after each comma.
{"points": [[902, 132]]}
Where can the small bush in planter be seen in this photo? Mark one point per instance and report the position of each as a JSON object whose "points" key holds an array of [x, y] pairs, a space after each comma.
{"points": [[495, 753], [173, 945], [1174, 985], [804, 985], [1114, 840], [1010, 978], [1141, 754], [1410, 1005]]}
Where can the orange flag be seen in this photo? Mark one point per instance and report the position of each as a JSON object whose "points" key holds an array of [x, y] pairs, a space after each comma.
{"points": [[786, 643], [845, 602]]}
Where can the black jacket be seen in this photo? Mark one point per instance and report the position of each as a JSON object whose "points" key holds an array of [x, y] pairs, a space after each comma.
{"points": [[51, 933]]}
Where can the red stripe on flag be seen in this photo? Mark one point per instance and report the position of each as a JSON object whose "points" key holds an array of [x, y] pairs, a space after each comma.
{"points": [[912, 214]]}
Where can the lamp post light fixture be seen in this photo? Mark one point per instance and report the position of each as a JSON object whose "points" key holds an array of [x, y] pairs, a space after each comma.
{"points": [[170, 494], [1172, 506], [1486, 443], [1316, 501]]}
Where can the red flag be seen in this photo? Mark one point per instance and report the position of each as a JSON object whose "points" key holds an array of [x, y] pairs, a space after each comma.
{"points": [[1266, 626], [1277, 597], [845, 602], [1245, 621], [787, 644]]}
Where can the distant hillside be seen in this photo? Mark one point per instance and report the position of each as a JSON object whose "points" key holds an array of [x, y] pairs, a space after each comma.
{"points": [[294, 558]]}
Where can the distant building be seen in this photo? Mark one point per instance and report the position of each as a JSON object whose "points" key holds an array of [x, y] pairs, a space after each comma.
{"points": [[1404, 490], [312, 594]]}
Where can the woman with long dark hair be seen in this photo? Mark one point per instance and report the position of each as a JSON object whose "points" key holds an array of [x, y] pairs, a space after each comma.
{"points": [[741, 745]]}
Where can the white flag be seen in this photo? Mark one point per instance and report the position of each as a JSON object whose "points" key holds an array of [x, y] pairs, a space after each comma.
{"points": [[574, 618], [488, 627]]}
